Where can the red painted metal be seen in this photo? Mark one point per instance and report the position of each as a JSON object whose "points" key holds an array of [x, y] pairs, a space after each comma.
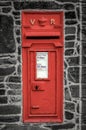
{"points": [[42, 97]]}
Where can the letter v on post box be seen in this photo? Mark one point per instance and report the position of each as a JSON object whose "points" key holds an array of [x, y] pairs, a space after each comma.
{"points": [[42, 66]]}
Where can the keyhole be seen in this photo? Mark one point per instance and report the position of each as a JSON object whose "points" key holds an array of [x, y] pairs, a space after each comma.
{"points": [[36, 87]]}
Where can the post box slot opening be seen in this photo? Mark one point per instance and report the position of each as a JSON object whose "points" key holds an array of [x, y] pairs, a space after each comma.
{"points": [[42, 37]]}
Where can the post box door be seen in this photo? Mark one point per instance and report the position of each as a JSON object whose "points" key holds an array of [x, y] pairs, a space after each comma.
{"points": [[43, 89]]}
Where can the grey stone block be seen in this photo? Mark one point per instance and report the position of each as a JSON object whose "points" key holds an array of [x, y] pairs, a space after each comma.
{"points": [[8, 61], [17, 22], [14, 99], [6, 3], [83, 127], [6, 71], [2, 91], [14, 92], [9, 119], [84, 106], [36, 5], [24, 127], [83, 119], [13, 85], [69, 115], [71, 22], [83, 74], [7, 42], [3, 100], [70, 15], [70, 37], [9, 109], [68, 6], [69, 52], [83, 90], [16, 13], [78, 12], [6, 9], [18, 39], [70, 106], [69, 44], [73, 74], [74, 89], [2, 85], [70, 30], [64, 126], [84, 60], [84, 17], [73, 61], [67, 94], [14, 79], [2, 78]]}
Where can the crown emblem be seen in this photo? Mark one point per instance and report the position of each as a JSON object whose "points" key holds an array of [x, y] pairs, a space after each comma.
{"points": [[42, 21]]}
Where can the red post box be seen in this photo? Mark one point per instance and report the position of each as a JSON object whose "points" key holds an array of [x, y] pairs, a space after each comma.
{"points": [[42, 63]]}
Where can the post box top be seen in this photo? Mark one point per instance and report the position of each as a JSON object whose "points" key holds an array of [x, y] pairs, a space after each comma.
{"points": [[42, 20], [39, 26]]}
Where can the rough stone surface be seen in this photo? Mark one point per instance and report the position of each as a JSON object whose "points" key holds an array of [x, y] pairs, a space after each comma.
{"points": [[69, 52], [73, 74], [84, 50], [14, 99], [70, 106], [84, 59], [73, 61], [3, 100], [74, 89], [1, 78], [2, 91], [14, 92], [24, 127], [78, 108], [69, 15], [84, 106], [63, 126], [70, 30], [8, 61], [36, 5], [68, 6], [18, 39], [70, 37], [9, 119], [7, 42], [69, 44], [6, 71], [83, 117], [6, 10], [83, 78], [2, 85], [71, 22], [9, 109], [69, 115], [67, 94], [14, 79], [2, 3], [83, 127], [84, 90], [13, 85]]}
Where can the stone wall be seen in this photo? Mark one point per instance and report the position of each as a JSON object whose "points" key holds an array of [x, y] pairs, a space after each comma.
{"points": [[83, 65], [11, 65]]}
